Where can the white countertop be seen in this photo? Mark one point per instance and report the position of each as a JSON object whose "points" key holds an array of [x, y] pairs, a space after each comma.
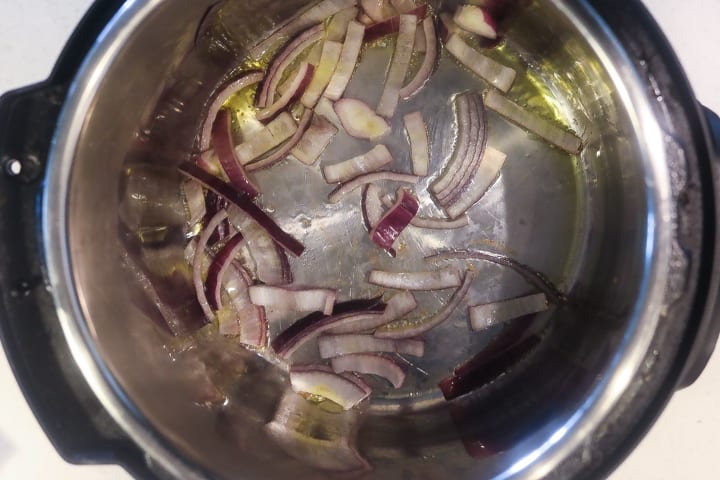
{"points": [[683, 444]]}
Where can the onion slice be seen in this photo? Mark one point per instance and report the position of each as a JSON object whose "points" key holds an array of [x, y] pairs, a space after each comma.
{"points": [[486, 316], [419, 143], [326, 69], [372, 208], [245, 320], [194, 196], [398, 67], [295, 90], [403, 6], [407, 329], [531, 276], [284, 60], [496, 74], [395, 221], [418, 281], [231, 165], [339, 23], [218, 269], [266, 139], [331, 346], [359, 120], [345, 171], [353, 185], [348, 61], [219, 100], [392, 25], [320, 382], [318, 13], [423, 74], [370, 365], [283, 152], [315, 140], [431, 223], [534, 123], [467, 123], [400, 305], [326, 109], [378, 10], [487, 173], [475, 20], [293, 300], [214, 222], [245, 204]]}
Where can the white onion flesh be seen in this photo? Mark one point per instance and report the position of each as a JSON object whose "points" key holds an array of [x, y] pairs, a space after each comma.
{"points": [[378, 10], [398, 67], [476, 20], [370, 365], [467, 123], [372, 206], [487, 173], [284, 150], [483, 317], [331, 346], [533, 122], [194, 202], [295, 86], [315, 140], [496, 74], [339, 23], [426, 68], [326, 109], [332, 386], [400, 305], [323, 73], [442, 279], [353, 185], [345, 171], [264, 140], [348, 61], [212, 225], [361, 121], [419, 143], [293, 300]]}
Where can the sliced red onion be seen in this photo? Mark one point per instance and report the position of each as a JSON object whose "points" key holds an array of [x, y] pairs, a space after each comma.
{"points": [[266, 139], [365, 19], [419, 143], [467, 122], [420, 41], [218, 269], [398, 67], [348, 61], [359, 120], [534, 123], [315, 140], [223, 145], [353, 185], [417, 281], [485, 316], [271, 263], [345, 171], [318, 381], [496, 74], [326, 69], [338, 26], [431, 223], [312, 16], [412, 329], [214, 204], [326, 109], [378, 10], [463, 172], [475, 20], [293, 300], [246, 321], [372, 208], [395, 221], [392, 25], [487, 173], [403, 6], [370, 365], [400, 305], [296, 88], [284, 60], [219, 217], [208, 161], [194, 195], [245, 204], [219, 100], [426, 68], [283, 152], [337, 345], [531, 276], [448, 27]]}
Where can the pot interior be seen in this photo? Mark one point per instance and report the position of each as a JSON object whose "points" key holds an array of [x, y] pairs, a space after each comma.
{"points": [[582, 221]]}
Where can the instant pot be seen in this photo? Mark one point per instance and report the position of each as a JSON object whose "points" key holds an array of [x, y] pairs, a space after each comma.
{"points": [[644, 284]]}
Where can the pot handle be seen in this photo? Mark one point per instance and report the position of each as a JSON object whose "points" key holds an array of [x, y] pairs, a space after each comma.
{"points": [[709, 331], [77, 425]]}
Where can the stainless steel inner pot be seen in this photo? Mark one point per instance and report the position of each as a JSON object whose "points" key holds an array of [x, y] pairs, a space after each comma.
{"points": [[599, 225]]}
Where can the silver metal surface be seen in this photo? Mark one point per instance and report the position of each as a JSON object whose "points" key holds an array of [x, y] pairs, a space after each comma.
{"points": [[599, 226]]}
